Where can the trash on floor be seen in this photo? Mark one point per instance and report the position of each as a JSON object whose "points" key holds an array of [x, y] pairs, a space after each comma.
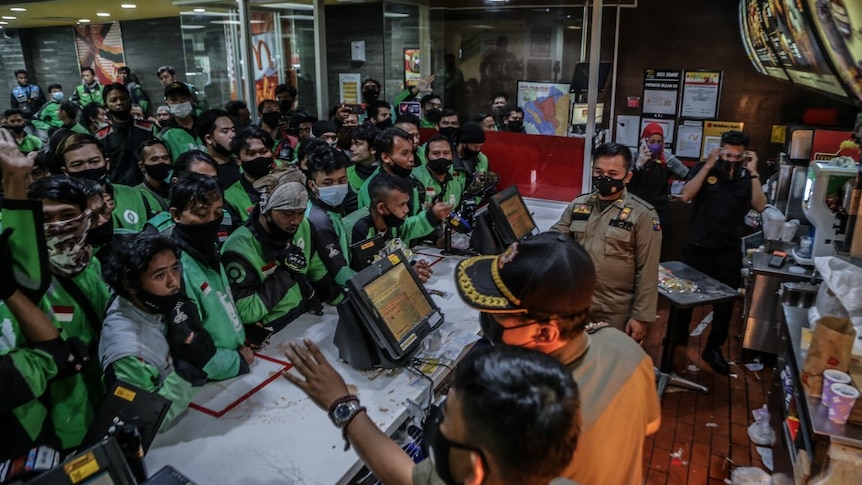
{"points": [[765, 453], [676, 458], [693, 368], [754, 366], [759, 431], [712, 425]]}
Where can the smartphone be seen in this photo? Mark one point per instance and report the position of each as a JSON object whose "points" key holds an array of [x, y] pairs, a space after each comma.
{"points": [[257, 336], [410, 107], [356, 109]]}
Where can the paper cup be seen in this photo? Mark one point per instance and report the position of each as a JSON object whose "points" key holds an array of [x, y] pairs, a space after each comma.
{"points": [[843, 399], [832, 376]]}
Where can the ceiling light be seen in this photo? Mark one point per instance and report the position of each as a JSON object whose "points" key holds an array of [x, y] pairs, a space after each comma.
{"points": [[2, 22], [199, 10], [102, 14], [9, 17], [128, 5], [83, 21], [192, 27], [18, 9]]}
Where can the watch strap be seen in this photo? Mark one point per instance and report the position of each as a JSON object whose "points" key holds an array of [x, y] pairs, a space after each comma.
{"points": [[340, 400], [347, 423]]}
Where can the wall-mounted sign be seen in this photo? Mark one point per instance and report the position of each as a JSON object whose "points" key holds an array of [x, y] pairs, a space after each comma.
{"points": [[700, 94]]}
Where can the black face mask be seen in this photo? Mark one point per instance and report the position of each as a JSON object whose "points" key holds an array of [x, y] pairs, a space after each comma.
{"points": [[16, 129], [285, 105], [278, 235], [450, 132], [607, 186], [221, 150], [387, 123], [101, 235], [729, 170], [161, 172], [437, 446], [158, 303], [392, 221], [271, 118], [122, 115], [440, 165], [400, 171], [470, 153], [515, 126], [257, 167], [201, 237], [370, 95], [95, 174], [491, 330]]}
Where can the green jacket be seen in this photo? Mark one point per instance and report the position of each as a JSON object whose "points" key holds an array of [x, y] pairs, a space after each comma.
{"points": [[156, 201], [127, 352], [357, 174], [359, 226], [84, 96], [132, 210], [78, 128], [208, 288], [265, 290], [179, 140], [79, 304], [417, 200], [239, 200], [47, 117], [451, 188], [27, 244], [330, 240], [30, 143]]}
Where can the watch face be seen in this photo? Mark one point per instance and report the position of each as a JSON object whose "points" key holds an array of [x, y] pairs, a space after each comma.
{"points": [[342, 411]]}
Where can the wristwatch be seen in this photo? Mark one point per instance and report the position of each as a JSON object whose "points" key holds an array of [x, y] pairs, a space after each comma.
{"points": [[344, 412]]}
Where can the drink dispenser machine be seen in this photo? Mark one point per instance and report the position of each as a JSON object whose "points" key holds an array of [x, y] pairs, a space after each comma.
{"points": [[821, 202]]}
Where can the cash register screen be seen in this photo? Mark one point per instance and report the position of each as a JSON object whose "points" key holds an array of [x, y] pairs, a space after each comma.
{"points": [[399, 301], [511, 216]]}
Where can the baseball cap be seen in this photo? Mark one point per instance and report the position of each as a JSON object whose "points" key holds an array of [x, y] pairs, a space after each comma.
{"points": [[549, 273], [287, 196], [177, 88]]}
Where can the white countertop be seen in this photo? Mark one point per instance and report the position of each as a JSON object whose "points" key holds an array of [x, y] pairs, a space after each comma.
{"points": [[278, 435]]}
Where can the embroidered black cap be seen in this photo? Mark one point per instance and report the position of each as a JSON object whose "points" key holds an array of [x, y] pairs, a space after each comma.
{"points": [[549, 273]]}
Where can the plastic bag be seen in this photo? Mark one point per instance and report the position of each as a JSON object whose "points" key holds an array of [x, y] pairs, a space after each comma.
{"points": [[843, 278], [759, 431], [750, 476], [773, 222]]}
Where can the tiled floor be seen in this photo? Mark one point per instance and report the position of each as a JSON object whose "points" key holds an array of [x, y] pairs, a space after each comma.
{"points": [[710, 429]]}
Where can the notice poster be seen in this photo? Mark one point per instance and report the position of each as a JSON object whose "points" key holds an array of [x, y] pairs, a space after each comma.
{"points": [[689, 139], [100, 46], [412, 72], [264, 51], [348, 87], [627, 132], [661, 91], [700, 93], [712, 131]]}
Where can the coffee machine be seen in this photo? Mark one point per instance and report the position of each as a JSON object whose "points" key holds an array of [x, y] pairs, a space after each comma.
{"points": [[821, 202]]}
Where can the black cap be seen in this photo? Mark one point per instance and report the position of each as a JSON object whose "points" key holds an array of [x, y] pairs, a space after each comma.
{"points": [[323, 126], [472, 132], [177, 88], [549, 273]]}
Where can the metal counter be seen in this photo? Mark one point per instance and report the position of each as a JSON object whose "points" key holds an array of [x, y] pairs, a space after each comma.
{"points": [[760, 310], [848, 434]]}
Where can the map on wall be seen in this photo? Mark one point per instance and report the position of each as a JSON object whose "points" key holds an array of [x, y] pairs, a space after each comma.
{"points": [[100, 46], [546, 107]]}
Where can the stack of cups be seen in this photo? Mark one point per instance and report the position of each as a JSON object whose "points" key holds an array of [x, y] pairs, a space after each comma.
{"points": [[838, 395]]}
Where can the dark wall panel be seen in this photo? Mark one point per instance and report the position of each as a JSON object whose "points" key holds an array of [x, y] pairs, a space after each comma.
{"points": [[347, 23]]}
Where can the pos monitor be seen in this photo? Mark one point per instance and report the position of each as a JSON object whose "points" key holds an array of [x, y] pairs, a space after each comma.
{"points": [[503, 221], [386, 315]]}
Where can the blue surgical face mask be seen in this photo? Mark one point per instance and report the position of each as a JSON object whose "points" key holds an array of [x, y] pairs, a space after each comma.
{"points": [[333, 195], [57, 96]]}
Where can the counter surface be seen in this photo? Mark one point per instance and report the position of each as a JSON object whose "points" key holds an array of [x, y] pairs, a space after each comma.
{"points": [[848, 434], [270, 432]]}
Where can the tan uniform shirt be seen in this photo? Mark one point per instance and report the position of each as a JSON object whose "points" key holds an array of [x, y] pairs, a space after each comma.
{"points": [[624, 242]]}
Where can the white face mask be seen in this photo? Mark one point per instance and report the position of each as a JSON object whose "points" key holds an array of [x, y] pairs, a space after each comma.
{"points": [[182, 110], [333, 195]]}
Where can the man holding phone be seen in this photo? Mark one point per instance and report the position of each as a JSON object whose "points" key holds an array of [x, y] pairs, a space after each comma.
{"points": [[723, 188]]}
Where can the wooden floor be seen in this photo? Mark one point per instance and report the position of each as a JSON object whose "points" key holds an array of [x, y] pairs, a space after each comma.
{"points": [[709, 429]]}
